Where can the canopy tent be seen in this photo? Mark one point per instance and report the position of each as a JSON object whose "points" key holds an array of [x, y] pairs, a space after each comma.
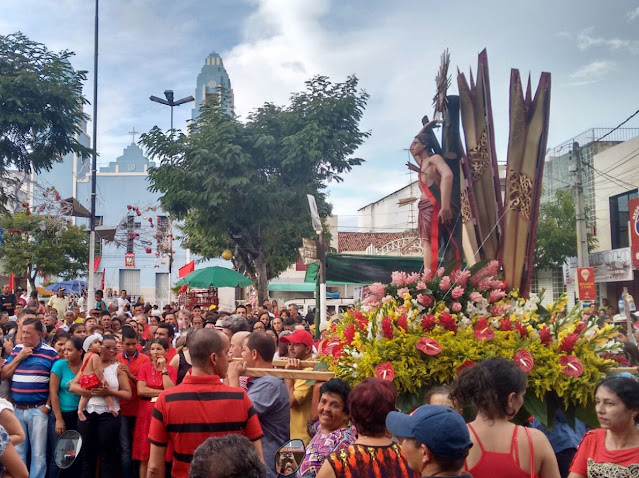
{"points": [[70, 286], [359, 269], [215, 277]]}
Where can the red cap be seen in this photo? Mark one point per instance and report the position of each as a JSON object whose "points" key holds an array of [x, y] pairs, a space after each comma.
{"points": [[299, 337]]}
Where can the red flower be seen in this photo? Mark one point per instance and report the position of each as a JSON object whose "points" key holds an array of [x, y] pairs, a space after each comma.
{"points": [[465, 365], [446, 320], [483, 330], [349, 333], [357, 314], [148, 250], [521, 328], [385, 371], [580, 327], [524, 360], [505, 325], [402, 322], [568, 343], [428, 322], [572, 365], [387, 328], [544, 335], [429, 346]]}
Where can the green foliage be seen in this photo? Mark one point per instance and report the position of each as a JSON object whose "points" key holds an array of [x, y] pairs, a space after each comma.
{"points": [[40, 244], [557, 231], [243, 186], [40, 107]]}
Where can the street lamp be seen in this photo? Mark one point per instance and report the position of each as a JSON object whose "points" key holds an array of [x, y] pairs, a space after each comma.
{"points": [[169, 102]]}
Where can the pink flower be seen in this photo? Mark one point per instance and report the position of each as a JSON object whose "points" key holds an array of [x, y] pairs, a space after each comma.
{"points": [[429, 346], [572, 365], [463, 278], [484, 284], [457, 292], [385, 371], [524, 360], [422, 285], [544, 335], [414, 277], [496, 295], [425, 300], [403, 291], [493, 268], [476, 297], [440, 272], [377, 288], [496, 284], [456, 307], [497, 310], [445, 284], [371, 301], [505, 325], [387, 299], [398, 278], [427, 275]]}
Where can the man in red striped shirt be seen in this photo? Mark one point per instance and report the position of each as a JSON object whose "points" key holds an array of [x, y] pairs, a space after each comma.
{"points": [[200, 407]]}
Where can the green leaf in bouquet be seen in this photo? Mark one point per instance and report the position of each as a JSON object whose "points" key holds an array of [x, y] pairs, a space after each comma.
{"points": [[451, 267], [588, 415], [478, 266], [535, 407]]}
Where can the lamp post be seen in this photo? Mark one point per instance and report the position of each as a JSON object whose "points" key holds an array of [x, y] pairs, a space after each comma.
{"points": [[169, 102], [94, 163]]}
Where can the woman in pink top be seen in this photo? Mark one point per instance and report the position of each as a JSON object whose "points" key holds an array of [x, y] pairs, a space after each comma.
{"points": [[496, 389], [613, 449]]}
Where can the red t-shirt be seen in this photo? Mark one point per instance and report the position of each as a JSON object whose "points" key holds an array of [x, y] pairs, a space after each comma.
{"points": [[198, 408], [129, 408], [153, 378], [170, 354], [593, 459]]}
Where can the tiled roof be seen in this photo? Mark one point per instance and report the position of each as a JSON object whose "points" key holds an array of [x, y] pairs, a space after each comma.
{"points": [[359, 241]]}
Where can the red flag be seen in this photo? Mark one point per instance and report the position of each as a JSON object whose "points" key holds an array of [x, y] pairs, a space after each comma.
{"points": [[102, 281], [96, 263], [12, 282], [186, 270]]}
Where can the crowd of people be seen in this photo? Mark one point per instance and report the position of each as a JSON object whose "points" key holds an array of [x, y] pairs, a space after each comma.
{"points": [[157, 394]]}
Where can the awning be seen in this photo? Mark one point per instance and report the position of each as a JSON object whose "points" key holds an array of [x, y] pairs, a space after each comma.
{"points": [[358, 269], [291, 287]]}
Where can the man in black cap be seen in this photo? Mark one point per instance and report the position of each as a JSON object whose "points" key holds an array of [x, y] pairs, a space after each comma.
{"points": [[434, 439]]}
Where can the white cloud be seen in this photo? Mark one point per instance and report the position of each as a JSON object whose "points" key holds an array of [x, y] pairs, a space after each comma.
{"points": [[586, 41], [592, 72], [633, 14]]}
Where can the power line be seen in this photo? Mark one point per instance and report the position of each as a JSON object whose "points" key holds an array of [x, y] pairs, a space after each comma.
{"points": [[618, 126]]}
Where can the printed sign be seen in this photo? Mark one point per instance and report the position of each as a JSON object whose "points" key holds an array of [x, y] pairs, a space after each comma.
{"points": [[633, 209], [586, 289], [129, 259], [610, 266]]}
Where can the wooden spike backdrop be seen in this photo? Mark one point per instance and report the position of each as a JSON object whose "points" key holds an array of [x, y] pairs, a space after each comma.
{"points": [[526, 154], [483, 180]]}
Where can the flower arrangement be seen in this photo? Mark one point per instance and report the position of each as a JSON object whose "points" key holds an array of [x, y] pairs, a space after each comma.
{"points": [[423, 329]]}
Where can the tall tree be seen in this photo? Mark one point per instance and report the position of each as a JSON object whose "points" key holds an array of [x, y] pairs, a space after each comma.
{"points": [[40, 107], [557, 231], [243, 186], [43, 245]]}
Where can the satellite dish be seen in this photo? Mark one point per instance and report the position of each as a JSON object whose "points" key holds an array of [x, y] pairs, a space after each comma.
{"points": [[67, 449]]}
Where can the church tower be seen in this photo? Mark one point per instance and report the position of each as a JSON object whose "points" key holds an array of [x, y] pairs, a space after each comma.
{"points": [[213, 80]]}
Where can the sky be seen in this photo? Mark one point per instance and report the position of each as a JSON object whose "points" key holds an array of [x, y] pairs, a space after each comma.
{"points": [[270, 47]]}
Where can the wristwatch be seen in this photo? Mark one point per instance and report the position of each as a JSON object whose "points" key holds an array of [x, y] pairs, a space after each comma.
{"points": [[165, 373], [47, 406]]}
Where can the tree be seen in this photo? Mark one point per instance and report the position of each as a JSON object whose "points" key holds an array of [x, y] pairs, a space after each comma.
{"points": [[243, 186], [557, 231], [40, 107], [34, 244]]}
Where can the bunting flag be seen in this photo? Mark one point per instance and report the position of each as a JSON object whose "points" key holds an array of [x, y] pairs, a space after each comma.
{"points": [[102, 281], [12, 282], [186, 270], [96, 263]]}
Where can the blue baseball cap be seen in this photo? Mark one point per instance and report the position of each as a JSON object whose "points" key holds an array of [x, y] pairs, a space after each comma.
{"points": [[441, 429]]}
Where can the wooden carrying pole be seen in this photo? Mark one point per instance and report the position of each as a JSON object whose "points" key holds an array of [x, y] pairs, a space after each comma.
{"points": [[319, 375]]}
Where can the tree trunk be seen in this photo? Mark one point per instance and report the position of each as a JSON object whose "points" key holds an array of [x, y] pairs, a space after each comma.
{"points": [[31, 277], [262, 279]]}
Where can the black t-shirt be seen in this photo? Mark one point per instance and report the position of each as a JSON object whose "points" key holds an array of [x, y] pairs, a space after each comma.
{"points": [[7, 303]]}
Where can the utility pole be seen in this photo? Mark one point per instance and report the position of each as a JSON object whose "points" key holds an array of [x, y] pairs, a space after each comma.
{"points": [[582, 231], [94, 166]]}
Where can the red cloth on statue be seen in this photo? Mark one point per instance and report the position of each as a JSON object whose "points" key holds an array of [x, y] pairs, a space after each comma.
{"points": [[153, 379]]}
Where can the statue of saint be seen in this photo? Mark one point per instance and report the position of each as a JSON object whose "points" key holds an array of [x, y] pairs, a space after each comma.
{"points": [[436, 183]]}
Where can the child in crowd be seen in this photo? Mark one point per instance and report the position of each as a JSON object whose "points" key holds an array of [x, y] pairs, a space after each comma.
{"points": [[92, 374]]}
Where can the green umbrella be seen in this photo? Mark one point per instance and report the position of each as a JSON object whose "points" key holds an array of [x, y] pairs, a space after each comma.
{"points": [[215, 277]]}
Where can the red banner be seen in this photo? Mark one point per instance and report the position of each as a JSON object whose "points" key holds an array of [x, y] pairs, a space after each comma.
{"points": [[586, 289], [633, 215], [186, 270]]}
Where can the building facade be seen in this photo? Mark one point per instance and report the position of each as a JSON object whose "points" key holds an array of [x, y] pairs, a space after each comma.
{"points": [[213, 80]]}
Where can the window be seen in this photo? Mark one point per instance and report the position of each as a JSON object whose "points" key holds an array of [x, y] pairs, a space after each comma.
{"points": [[619, 219]]}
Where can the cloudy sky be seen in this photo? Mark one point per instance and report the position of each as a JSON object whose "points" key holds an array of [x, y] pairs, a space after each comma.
{"points": [[270, 47]]}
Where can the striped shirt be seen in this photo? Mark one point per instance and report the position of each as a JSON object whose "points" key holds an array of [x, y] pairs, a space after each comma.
{"points": [[30, 381], [198, 408]]}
